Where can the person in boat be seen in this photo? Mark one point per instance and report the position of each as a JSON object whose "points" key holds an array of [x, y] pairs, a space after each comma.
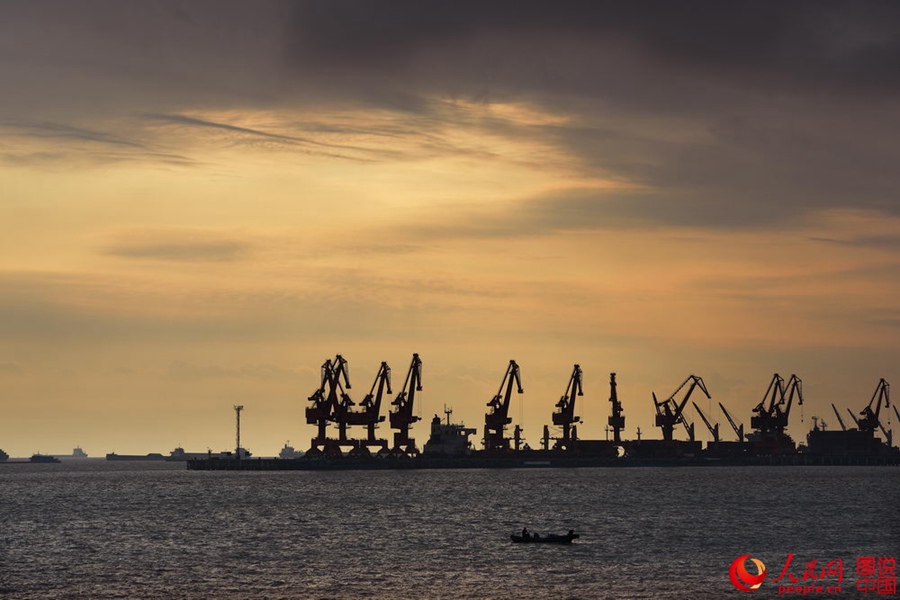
{"points": [[525, 533], [571, 533]]}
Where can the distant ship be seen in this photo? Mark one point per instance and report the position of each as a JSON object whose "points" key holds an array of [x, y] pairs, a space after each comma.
{"points": [[289, 452], [150, 456], [3, 456], [448, 439], [179, 455], [77, 452], [44, 458]]}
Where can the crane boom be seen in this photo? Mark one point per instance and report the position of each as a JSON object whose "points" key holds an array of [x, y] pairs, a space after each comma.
{"points": [[713, 430], [738, 430], [838, 415]]}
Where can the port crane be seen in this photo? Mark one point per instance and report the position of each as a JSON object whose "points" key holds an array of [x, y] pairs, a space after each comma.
{"points": [[713, 429], [764, 420], [496, 420], [565, 415], [794, 387], [738, 429], [670, 412], [369, 416], [402, 418], [773, 419], [869, 420], [616, 419], [327, 398]]}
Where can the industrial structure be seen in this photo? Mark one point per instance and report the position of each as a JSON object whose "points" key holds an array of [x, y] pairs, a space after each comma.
{"points": [[402, 417], [335, 415], [497, 419], [564, 417], [772, 414], [859, 441]]}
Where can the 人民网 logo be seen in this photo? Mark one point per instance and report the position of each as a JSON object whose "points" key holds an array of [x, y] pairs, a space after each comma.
{"points": [[741, 578]]}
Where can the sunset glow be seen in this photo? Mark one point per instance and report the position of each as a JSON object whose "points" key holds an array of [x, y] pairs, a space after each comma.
{"points": [[201, 203]]}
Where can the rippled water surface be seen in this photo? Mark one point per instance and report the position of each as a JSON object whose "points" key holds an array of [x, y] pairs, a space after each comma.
{"points": [[92, 529]]}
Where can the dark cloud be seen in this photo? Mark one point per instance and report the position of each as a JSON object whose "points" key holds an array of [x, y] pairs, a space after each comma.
{"points": [[884, 242], [835, 44], [725, 113]]}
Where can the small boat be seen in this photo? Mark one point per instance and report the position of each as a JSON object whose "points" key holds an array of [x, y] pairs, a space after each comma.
{"points": [[551, 538]]}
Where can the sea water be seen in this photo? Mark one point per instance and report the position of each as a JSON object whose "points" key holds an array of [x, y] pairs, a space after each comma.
{"points": [[96, 529]]}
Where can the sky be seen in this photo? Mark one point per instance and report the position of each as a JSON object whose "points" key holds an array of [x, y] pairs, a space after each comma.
{"points": [[201, 202]]}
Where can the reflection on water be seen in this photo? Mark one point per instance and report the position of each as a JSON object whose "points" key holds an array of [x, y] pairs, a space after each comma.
{"points": [[91, 529]]}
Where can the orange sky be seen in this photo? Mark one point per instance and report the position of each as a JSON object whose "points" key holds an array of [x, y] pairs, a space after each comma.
{"points": [[195, 214]]}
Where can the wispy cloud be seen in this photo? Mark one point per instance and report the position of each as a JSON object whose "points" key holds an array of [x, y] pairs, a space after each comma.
{"points": [[307, 145], [178, 245], [44, 130]]}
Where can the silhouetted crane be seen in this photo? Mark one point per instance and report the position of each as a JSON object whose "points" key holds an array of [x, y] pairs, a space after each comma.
{"points": [[496, 420], [565, 416], [370, 415], [764, 420], [328, 397], [669, 412], [868, 420], [402, 418], [794, 387]]}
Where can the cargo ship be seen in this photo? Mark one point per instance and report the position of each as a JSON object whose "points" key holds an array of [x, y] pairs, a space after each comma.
{"points": [[77, 452], [43, 458], [179, 455], [149, 456]]}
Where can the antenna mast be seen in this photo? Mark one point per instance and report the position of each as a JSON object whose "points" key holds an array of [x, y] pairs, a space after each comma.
{"points": [[237, 414]]}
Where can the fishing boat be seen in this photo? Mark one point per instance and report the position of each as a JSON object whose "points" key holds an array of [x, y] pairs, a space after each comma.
{"points": [[551, 538]]}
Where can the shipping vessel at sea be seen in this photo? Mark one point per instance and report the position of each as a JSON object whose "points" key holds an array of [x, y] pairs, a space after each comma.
{"points": [[77, 452], [43, 458], [148, 456], [177, 455], [448, 446]]}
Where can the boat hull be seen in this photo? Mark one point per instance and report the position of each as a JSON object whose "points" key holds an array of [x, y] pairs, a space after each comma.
{"points": [[547, 539]]}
